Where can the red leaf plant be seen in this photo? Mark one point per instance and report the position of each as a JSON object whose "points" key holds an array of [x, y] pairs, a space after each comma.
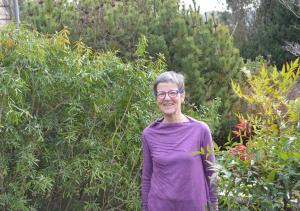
{"points": [[241, 151], [244, 131]]}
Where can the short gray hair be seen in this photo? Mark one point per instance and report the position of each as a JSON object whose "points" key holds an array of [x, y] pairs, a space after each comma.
{"points": [[170, 76]]}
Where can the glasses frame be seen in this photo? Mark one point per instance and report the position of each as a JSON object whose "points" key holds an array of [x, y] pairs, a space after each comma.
{"points": [[178, 91]]}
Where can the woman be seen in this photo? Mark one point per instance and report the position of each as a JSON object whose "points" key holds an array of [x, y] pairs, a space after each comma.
{"points": [[173, 178]]}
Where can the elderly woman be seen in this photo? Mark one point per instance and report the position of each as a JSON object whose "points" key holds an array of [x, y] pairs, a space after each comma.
{"points": [[174, 178]]}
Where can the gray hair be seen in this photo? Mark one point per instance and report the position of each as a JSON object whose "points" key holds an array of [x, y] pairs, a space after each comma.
{"points": [[170, 76]]}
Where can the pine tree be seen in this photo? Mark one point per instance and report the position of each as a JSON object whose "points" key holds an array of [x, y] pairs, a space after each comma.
{"points": [[202, 50], [270, 24]]}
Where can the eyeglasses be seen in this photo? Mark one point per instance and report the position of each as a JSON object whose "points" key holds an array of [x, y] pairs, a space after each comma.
{"points": [[171, 93]]}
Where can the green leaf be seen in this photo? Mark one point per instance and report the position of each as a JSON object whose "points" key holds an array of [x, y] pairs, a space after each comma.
{"points": [[283, 155], [271, 175], [216, 147], [296, 155], [200, 152]]}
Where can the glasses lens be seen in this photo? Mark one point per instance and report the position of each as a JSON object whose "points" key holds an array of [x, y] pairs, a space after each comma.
{"points": [[161, 95], [173, 93]]}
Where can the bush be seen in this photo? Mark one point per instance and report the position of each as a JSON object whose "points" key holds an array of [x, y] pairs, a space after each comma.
{"points": [[70, 123], [264, 175], [202, 50]]}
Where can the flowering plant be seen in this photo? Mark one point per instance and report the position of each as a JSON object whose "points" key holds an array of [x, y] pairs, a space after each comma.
{"points": [[262, 171]]}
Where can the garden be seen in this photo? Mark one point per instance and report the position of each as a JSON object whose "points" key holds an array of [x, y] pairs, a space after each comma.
{"points": [[76, 92]]}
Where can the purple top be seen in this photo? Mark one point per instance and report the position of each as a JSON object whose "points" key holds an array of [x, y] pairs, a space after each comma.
{"points": [[173, 178]]}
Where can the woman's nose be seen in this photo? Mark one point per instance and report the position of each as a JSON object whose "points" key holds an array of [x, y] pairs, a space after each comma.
{"points": [[167, 97]]}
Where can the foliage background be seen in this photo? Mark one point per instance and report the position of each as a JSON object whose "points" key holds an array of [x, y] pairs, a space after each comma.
{"points": [[71, 115], [200, 49], [263, 27], [70, 123], [264, 172]]}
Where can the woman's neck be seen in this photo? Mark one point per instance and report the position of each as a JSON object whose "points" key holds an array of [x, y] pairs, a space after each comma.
{"points": [[175, 118]]}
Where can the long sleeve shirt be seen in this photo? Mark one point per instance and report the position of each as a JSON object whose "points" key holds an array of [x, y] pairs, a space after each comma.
{"points": [[173, 177]]}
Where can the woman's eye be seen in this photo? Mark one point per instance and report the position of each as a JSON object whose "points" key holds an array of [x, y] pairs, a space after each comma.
{"points": [[162, 94]]}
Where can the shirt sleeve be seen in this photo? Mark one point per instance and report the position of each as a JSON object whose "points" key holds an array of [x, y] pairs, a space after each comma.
{"points": [[146, 173], [208, 157]]}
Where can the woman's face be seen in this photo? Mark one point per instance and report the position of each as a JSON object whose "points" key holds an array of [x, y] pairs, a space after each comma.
{"points": [[168, 101]]}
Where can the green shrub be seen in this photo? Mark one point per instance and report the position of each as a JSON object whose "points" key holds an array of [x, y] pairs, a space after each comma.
{"points": [[264, 175], [202, 50], [70, 123]]}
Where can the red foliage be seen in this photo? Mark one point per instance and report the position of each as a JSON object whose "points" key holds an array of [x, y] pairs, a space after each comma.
{"points": [[244, 129], [240, 150]]}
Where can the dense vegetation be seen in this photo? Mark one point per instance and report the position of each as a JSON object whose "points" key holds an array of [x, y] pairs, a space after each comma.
{"points": [[70, 123], [201, 49], [263, 169], [264, 27], [71, 114]]}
